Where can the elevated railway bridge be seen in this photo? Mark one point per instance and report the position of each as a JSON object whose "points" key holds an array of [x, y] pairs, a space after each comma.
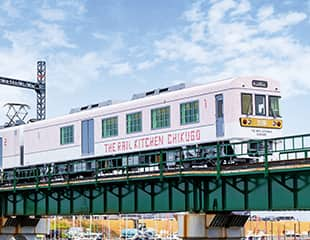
{"points": [[275, 178]]}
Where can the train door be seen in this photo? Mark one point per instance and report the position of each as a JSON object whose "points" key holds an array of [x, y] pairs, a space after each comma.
{"points": [[1, 152], [219, 113], [88, 137]]}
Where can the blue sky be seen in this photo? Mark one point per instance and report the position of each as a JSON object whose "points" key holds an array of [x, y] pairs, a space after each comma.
{"points": [[98, 50]]}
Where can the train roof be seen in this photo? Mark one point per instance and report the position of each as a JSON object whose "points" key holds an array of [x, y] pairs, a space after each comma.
{"points": [[211, 87]]}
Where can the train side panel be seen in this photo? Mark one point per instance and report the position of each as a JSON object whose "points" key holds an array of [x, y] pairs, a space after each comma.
{"points": [[42, 144], [11, 146], [173, 136]]}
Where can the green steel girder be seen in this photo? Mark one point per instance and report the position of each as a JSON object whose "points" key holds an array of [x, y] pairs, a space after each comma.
{"points": [[140, 197], [195, 194]]}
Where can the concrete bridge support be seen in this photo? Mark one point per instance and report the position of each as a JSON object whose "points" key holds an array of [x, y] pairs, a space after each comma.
{"points": [[23, 228], [211, 226]]}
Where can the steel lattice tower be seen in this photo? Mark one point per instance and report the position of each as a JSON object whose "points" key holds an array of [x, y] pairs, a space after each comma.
{"points": [[41, 91]]}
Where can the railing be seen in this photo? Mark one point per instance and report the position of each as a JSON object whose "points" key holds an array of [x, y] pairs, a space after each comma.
{"points": [[215, 158]]}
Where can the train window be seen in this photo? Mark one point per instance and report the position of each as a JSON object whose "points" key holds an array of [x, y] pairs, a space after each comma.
{"points": [[109, 127], [134, 122], [274, 109], [260, 105], [246, 103], [189, 112], [66, 135], [160, 117]]}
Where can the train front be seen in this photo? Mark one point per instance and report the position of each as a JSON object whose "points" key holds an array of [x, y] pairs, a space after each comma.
{"points": [[256, 113]]}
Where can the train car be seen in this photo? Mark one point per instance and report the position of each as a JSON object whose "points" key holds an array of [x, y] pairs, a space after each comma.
{"points": [[234, 109]]}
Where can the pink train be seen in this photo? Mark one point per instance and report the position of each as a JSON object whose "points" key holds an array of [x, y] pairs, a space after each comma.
{"points": [[174, 119]]}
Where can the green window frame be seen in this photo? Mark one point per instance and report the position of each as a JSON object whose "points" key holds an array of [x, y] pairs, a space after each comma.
{"points": [[109, 127], [160, 118], [189, 112], [247, 103], [67, 135], [134, 122]]}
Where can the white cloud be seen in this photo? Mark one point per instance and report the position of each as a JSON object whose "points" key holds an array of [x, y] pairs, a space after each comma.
{"points": [[147, 64], [265, 12], [119, 69], [243, 7], [52, 14], [43, 36], [219, 9], [275, 24], [195, 13], [52, 35], [221, 44], [174, 48], [198, 31], [69, 73]]}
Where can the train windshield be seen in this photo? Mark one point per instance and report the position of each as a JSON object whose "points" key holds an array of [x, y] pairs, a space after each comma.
{"points": [[246, 100], [260, 105], [274, 109]]}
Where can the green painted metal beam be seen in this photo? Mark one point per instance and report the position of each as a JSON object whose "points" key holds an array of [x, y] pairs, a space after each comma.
{"points": [[193, 194]]}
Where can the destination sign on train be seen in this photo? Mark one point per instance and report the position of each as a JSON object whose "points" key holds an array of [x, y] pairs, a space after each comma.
{"points": [[259, 83]]}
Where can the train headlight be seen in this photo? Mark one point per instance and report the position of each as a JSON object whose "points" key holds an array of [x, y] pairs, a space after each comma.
{"points": [[277, 124], [246, 121]]}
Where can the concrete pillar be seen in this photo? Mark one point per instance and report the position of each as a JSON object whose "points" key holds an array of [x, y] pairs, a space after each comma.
{"points": [[23, 228], [210, 226], [192, 226]]}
